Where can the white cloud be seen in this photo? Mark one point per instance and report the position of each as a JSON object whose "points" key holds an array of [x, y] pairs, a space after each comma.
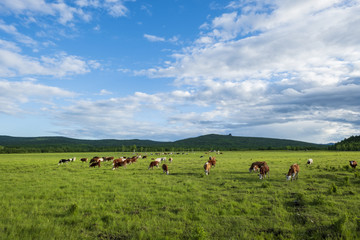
{"points": [[273, 68], [14, 64], [64, 12], [14, 94], [153, 38]]}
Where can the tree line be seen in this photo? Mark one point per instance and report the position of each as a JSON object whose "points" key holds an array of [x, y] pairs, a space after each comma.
{"points": [[348, 144]]}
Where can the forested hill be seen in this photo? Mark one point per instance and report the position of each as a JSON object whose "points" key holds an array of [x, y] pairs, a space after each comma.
{"points": [[207, 142], [348, 144], [214, 141]]}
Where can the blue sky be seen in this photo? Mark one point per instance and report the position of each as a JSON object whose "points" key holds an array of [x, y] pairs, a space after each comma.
{"points": [[171, 69]]}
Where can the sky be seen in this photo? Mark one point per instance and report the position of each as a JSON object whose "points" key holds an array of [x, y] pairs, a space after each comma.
{"points": [[171, 69]]}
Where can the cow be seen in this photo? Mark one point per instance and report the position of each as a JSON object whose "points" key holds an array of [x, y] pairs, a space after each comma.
{"points": [[72, 159], [264, 169], [153, 164], [157, 159], [108, 158], [119, 163], [309, 161], [165, 169], [96, 159], [212, 161], [353, 164], [83, 159], [207, 167], [293, 173], [255, 166], [64, 161], [133, 159], [170, 159], [94, 164]]}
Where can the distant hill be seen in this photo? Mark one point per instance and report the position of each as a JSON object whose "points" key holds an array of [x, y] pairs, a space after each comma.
{"points": [[228, 142], [10, 144], [348, 144]]}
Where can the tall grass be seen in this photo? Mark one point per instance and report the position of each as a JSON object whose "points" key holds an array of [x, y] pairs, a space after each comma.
{"points": [[43, 200]]}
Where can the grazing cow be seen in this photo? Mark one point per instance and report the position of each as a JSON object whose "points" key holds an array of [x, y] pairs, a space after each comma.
{"points": [[96, 159], [309, 161], [119, 163], [157, 159], [255, 166], [94, 164], [353, 164], [264, 169], [153, 164], [133, 159], [170, 159], [108, 158], [207, 167], [84, 160], [64, 161], [144, 157], [73, 159], [165, 169], [293, 173]]}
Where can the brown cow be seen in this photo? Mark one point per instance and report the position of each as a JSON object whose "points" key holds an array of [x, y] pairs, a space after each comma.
{"points": [[165, 169], [293, 173], [94, 164], [153, 164], [353, 164], [264, 169], [83, 159], [207, 167], [255, 166]]}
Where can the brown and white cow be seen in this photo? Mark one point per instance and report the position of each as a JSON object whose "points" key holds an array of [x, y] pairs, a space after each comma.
{"points": [[153, 164], [264, 169], [293, 173], [119, 163], [255, 166], [165, 169], [207, 167], [212, 161], [170, 159], [353, 164], [96, 159], [108, 158]]}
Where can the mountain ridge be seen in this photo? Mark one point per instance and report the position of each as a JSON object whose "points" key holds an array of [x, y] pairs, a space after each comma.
{"points": [[203, 142]]}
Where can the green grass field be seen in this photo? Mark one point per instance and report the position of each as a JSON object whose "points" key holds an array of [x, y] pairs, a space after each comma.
{"points": [[41, 200]]}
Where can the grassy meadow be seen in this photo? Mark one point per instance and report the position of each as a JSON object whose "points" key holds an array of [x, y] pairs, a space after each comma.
{"points": [[43, 200]]}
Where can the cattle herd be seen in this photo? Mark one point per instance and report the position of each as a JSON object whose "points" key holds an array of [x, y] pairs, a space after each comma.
{"points": [[261, 167]]}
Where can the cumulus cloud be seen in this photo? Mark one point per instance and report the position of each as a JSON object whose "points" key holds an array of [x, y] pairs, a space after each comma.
{"points": [[274, 63], [15, 64], [14, 95], [65, 13]]}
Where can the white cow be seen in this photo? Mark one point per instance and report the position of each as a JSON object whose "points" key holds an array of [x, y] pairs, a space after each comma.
{"points": [[309, 161]]}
